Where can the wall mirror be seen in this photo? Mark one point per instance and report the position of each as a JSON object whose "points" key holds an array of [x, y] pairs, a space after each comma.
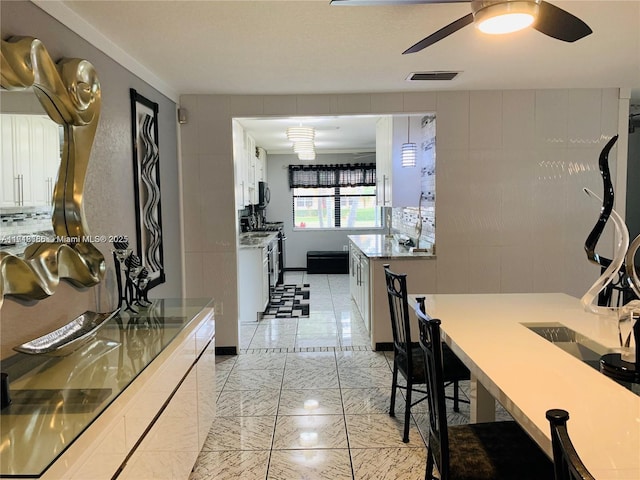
{"points": [[69, 93]]}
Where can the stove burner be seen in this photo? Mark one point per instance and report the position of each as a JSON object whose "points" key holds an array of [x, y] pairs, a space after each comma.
{"points": [[270, 227], [267, 229]]}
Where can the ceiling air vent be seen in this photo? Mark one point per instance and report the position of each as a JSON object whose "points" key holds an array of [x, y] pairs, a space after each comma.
{"points": [[420, 76]]}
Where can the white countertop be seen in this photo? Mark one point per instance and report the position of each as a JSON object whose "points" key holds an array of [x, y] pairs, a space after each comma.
{"points": [[381, 246], [256, 239], [528, 374]]}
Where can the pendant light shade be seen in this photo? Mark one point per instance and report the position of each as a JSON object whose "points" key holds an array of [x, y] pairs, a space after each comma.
{"points": [[409, 154], [409, 149], [301, 134], [307, 156], [303, 146]]}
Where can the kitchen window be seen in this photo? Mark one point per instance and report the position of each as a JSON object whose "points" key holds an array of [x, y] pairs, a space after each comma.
{"points": [[334, 196]]}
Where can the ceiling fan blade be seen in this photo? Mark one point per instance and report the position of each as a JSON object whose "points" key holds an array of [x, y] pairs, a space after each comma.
{"points": [[560, 24], [440, 34]]}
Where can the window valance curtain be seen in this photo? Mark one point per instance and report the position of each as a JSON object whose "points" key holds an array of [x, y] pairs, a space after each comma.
{"points": [[322, 176]]}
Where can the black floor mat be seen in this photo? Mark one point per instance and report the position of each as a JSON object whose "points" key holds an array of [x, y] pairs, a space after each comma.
{"points": [[288, 301]]}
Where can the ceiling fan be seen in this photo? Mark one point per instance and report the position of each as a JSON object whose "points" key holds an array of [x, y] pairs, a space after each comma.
{"points": [[498, 16]]}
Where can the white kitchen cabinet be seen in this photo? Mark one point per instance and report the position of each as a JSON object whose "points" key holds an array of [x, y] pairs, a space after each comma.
{"points": [[240, 166], [252, 182], [45, 159], [30, 159], [253, 285], [261, 165], [274, 269], [249, 167], [397, 186], [384, 157], [359, 281]]}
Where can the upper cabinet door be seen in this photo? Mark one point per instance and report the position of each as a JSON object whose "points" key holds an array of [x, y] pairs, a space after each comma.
{"points": [[239, 164], [261, 165], [384, 138], [30, 160]]}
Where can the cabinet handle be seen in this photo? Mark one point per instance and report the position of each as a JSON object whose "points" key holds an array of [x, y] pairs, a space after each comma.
{"points": [[384, 189], [20, 179], [16, 190]]}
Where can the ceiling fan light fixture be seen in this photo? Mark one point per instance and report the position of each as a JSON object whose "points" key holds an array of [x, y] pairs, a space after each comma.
{"points": [[504, 16]]}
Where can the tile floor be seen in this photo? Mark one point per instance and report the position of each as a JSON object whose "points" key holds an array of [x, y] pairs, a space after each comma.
{"points": [[308, 399]]}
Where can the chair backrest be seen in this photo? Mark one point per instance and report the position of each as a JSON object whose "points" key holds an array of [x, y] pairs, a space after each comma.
{"points": [[399, 313], [431, 344], [566, 462]]}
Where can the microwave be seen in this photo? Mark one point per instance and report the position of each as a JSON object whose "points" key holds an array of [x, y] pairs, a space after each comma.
{"points": [[264, 194]]}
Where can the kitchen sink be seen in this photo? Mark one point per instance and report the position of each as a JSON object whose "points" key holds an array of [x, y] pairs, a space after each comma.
{"points": [[257, 234], [251, 241]]}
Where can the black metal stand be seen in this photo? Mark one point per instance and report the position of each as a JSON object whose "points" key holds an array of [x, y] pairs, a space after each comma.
{"points": [[613, 366]]}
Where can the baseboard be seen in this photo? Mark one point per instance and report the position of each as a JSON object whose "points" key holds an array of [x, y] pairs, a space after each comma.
{"points": [[226, 351], [295, 269], [384, 347]]}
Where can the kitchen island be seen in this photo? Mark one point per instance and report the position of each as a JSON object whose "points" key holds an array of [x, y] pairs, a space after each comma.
{"points": [[136, 401], [367, 255]]}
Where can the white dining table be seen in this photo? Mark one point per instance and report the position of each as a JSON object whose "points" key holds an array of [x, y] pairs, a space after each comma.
{"points": [[529, 374]]}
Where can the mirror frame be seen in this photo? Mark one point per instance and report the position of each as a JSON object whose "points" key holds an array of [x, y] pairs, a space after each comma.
{"points": [[69, 92]]}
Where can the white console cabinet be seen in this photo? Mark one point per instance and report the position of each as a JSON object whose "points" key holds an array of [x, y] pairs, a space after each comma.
{"points": [[154, 375]]}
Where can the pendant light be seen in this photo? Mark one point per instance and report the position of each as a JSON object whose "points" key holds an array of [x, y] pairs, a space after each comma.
{"points": [[409, 149], [301, 134], [302, 139]]}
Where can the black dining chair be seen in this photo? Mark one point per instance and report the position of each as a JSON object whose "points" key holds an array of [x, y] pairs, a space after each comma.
{"points": [[566, 462], [408, 359], [478, 451]]}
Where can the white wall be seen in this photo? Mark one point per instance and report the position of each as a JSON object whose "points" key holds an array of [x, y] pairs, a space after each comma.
{"points": [[510, 212]]}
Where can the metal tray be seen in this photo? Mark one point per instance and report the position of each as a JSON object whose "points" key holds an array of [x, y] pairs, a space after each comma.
{"points": [[69, 337]]}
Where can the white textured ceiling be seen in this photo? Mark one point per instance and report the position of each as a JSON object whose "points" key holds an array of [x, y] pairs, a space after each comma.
{"points": [[309, 46]]}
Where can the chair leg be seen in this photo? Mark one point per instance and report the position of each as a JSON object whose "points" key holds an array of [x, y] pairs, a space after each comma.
{"points": [[456, 397], [428, 475], [407, 413], [394, 386]]}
